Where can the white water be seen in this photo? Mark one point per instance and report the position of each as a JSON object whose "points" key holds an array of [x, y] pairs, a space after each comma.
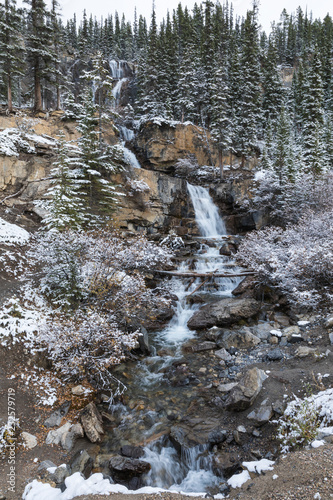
{"points": [[206, 213], [130, 158], [126, 133]]}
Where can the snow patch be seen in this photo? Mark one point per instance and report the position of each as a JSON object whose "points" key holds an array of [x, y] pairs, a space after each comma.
{"points": [[259, 465], [11, 234], [237, 480]]}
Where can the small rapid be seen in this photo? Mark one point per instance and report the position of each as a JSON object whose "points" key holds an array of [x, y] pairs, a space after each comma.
{"points": [[155, 400]]}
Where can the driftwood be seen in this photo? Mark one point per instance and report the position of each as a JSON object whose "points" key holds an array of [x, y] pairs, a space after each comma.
{"points": [[189, 274]]}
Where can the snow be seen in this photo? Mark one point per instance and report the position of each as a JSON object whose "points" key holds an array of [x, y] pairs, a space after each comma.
{"points": [[237, 480], [11, 234], [276, 333], [317, 443], [275, 476], [259, 465], [261, 174], [303, 323], [77, 485]]}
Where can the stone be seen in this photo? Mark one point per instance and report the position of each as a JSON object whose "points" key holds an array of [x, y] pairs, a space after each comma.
{"points": [[223, 354], [132, 451], [244, 287], [331, 338], [274, 355], [143, 340], [46, 464], [329, 322], [91, 421], [78, 390], [242, 339], [261, 415], [282, 319], [29, 440], [217, 436], [226, 387], [290, 331], [227, 249], [262, 330], [54, 420], [304, 351], [81, 462], [223, 313], [65, 436], [203, 346], [131, 466], [241, 429], [243, 395], [295, 339], [226, 464], [60, 474]]}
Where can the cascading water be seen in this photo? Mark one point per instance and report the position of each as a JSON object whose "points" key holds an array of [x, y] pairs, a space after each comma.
{"points": [[155, 400]]}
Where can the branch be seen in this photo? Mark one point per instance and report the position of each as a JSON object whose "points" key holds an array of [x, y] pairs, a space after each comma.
{"points": [[205, 275]]}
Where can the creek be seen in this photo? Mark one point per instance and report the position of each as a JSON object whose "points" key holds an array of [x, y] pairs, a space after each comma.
{"points": [[163, 386]]}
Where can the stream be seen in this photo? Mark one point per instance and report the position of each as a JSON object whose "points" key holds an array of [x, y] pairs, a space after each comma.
{"points": [[161, 388]]}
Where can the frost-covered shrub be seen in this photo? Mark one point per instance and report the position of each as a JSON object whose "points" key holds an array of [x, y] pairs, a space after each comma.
{"points": [[8, 433], [298, 261], [85, 346], [173, 241]]}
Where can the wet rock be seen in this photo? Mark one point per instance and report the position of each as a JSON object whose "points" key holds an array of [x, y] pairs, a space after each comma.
{"points": [[29, 440], [223, 354], [243, 395], [65, 436], [217, 436], [91, 421], [213, 334], [223, 313], [130, 466], [143, 340], [203, 346], [56, 417], [192, 431], [242, 339], [227, 249], [261, 415], [81, 462], [274, 355], [132, 451], [226, 464]]}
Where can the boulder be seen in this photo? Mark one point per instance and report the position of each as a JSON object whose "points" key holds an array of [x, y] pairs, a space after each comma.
{"points": [[223, 313], [65, 436], [304, 351], [245, 286], [290, 331], [81, 462], [243, 395], [224, 388], [329, 322], [263, 414], [242, 339], [128, 466], [274, 355], [132, 451], [223, 354], [262, 330], [91, 421], [202, 346]]}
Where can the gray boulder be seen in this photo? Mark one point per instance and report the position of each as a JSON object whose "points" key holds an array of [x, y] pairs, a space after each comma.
{"points": [[81, 462], [65, 436], [130, 466], [223, 313], [263, 414], [243, 395], [242, 339]]}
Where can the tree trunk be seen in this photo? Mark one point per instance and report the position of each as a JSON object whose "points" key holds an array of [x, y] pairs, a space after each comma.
{"points": [[38, 88], [221, 163], [9, 93]]}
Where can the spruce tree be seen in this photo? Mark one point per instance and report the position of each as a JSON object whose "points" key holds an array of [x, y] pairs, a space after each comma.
{"points": [[12, 50]]}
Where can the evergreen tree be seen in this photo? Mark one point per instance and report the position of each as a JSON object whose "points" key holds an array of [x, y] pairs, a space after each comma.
{"points": [[272, 85], [12, 50], [64, 206]]}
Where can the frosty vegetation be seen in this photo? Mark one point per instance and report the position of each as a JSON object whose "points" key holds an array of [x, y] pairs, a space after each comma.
{"points": [[95, 287]]}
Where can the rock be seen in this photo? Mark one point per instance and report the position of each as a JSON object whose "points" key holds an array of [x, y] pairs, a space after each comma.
{"points": [[279, 407], [131, 466], [132, 451], [78, 390], [274, 355], [242, 339], [91, 421], [245, 286], [30, 441], [60, 474], [241, 429], [223, 313], [46, 464], [262, 330], [143, 340], [65, 435], [295, 339], [304, 351], [261, 415], [223, 354], [243, 395], [331, 338], [290, 331], [226, 387], [203, 346], [227, 249], [256, 433], [281, 318], [226, 464], [81, 462], [56, 417], [217, 436], [329, 322]]}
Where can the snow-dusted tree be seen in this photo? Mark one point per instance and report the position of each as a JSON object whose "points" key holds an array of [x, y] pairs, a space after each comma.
{"points": [[97, 161], [272, 84], [39, 47], [284, 160], [64, 205], [12, 49]]}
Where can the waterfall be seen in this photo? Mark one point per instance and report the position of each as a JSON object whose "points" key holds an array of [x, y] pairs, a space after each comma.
{"points": [[126, 134], [130, 158], [206, 213]]}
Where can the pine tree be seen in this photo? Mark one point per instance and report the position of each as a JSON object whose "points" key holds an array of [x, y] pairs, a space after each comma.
{"points": [[272, 84], [65, 207], [39, 49], [283, 161]]}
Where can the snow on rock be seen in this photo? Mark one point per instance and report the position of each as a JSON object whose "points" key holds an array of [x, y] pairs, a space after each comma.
{"points": [[317, 443], [237, 480], [10, 234], [259, 465]]}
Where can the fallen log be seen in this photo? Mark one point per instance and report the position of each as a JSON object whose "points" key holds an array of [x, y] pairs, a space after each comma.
{"points": [[189, 274]]}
